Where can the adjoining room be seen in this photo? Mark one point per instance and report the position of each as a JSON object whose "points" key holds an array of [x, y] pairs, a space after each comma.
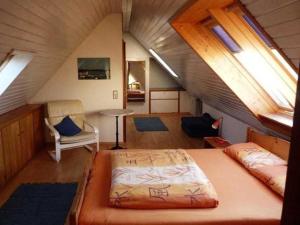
{"points": [[138, 112]]}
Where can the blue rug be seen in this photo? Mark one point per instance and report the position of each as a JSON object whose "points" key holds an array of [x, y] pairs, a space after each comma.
{"points": [[149, 124], [38, 204]]}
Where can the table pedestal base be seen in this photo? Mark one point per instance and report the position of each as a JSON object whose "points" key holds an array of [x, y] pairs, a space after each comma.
{"points": [[116, 113], [117, 147]]}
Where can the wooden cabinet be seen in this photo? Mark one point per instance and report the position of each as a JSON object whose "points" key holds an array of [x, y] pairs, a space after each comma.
{"points": [[21, 136], [26, 138], [11, 148], [164, 100], [2, 167], [38, 129]]}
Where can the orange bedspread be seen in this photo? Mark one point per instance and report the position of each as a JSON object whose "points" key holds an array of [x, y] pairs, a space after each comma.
{"points": [[151, 179], [243, 199]]}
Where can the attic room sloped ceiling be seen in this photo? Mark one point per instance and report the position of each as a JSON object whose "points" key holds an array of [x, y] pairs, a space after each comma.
{"points": [[150, 25], [51, 29]]}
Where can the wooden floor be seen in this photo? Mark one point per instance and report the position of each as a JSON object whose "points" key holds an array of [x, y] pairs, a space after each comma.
{"points": [[71, 167]]}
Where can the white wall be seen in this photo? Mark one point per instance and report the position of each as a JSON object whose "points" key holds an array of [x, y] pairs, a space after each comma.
{"points": [[159, 77], [232, 129], [135, 52], [187, 103], [104, 41]]}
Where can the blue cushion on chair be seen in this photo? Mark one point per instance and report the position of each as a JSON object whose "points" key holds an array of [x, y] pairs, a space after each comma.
{"points": [[67, 127]]}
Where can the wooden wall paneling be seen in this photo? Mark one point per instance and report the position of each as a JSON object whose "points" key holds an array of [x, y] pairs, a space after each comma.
{"points": [[218, 58], [280, 19], [287, 29], [38, 129], [11, 148], [51, 29], [17, 138], [281, 15], [2, 166], [26, 138], [166, 10], [195, 75], [289, 42], [126, 8], [276, 145], [248, 41], [263, 7]]}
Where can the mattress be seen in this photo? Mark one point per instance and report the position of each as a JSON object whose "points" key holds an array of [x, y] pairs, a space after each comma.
{"points": [[243, 199]]}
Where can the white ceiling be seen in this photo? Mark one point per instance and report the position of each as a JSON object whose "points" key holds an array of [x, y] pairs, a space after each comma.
{"points": [[149, 24], [51, 29], [54, 28]]}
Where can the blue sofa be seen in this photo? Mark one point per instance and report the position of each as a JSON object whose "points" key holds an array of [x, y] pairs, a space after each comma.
{"points": [[199, 126]]}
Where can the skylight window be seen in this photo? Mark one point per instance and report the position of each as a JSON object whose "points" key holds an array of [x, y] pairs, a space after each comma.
{"points": [[266, 40], [162, 62], [258, 31], [12, 66], [284, 63], [258, 67], [226, 39], [263, 73]]}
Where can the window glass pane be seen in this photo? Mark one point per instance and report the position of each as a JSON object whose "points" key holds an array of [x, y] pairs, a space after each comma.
{"points": [[264, 74], [226, 39], [257, 30], [12, 67], [258, 67], [268, 43], [284, 63]]}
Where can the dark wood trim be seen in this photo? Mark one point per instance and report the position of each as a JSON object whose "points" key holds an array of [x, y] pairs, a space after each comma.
{"points": [[155, 99], [17, 114], [291, 206], [178, 101], [150, 101], [167, 89], [124, 88]]}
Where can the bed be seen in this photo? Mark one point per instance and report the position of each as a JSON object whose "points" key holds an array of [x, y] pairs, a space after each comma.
{"points": [[243, 198], [135, 95]]}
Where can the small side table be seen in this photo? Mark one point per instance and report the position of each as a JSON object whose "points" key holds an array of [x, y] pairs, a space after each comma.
{"points": [[215, 142], [117, 113]]}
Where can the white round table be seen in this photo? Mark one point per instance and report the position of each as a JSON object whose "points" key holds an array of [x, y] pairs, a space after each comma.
{"points": [[117, 113]]}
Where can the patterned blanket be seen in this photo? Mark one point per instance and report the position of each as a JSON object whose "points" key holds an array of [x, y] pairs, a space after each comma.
{"points": [[159, 179], [263, 164]]}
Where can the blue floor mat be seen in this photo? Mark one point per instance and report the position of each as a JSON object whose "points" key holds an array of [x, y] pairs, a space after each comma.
{"points": [[38, 204], [149, 124]]}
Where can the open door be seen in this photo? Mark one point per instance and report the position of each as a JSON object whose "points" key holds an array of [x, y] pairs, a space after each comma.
{"points": [[124, 88]]}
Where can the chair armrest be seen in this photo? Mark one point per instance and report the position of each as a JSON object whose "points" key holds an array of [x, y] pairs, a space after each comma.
{"points": [[95, 129], [52, 129]]}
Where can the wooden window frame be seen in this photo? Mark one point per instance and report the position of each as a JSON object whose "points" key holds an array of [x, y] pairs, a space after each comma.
{"points": [[234, 24], [191, 23], [241, 11]]}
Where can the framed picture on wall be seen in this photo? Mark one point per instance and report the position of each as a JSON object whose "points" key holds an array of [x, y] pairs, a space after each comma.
{"points": [[93, 68]]}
